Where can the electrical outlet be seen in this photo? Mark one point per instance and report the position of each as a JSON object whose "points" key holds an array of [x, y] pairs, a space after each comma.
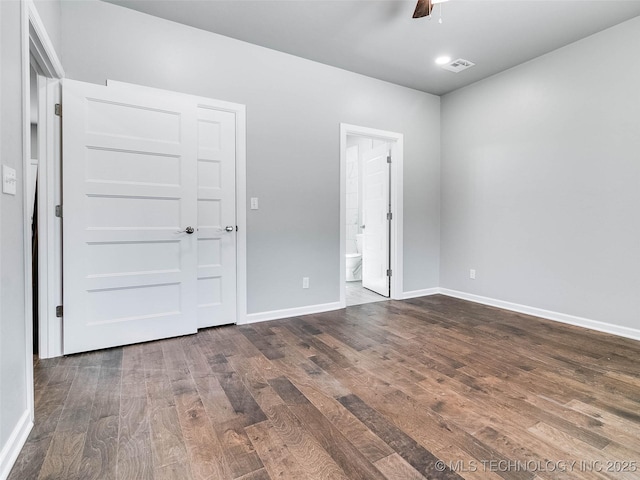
{"points": [[254, 203], [472, 274], [305, 282]]}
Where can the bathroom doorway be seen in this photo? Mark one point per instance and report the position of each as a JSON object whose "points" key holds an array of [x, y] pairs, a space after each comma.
{"points": [[371, 215]]}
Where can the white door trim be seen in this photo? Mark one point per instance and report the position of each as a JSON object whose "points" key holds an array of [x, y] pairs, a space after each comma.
{"points": [[40, 48], [41, 53], [397, 154], [49, 226], [36, 47]]}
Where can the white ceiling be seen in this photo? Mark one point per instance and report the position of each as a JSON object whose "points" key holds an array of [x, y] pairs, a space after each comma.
{"points": [[379, 38]]}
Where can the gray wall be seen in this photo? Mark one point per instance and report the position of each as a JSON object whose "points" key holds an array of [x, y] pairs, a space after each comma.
{"points": [[13, 388], [541, 181], [294, 108], [50, 14]]}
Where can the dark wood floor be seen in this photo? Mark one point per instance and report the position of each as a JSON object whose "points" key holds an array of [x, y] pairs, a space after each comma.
{"points": [[384, 390]]}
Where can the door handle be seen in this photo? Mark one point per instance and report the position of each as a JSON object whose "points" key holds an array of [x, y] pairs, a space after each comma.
{"points": [[228, 228], [188, 230]]}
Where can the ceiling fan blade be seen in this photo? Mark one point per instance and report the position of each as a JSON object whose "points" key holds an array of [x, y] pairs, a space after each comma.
{"points": [[423, 8]]}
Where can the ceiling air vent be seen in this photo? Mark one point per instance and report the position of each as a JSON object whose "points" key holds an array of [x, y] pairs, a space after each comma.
{"points": [[458, 65]]}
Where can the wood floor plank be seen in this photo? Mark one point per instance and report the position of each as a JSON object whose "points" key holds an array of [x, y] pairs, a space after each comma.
{"points": [[63, 456], [77, 408], [132, 366], [238, 449], [99, 457], [358, 434], [29, 462], [261, 474], [314, 460], [175, 471], [566, 443], [420, 459], [254, 372], [274, 453], [100, 449], [240, 398], [134, 457], [166, 437], [394, 467], [206, 455], [348, 457], [386, 389]]}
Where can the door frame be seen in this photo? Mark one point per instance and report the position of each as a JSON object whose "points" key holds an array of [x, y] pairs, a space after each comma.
{"points": [[37, 49], [396, 194]]}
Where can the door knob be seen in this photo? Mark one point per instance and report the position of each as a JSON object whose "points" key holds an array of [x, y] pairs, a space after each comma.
{"points": [[189, 230], [228, 228]]}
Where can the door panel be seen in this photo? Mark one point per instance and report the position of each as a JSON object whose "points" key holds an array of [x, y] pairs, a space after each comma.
{"points": [[216, 211], [375, 205], [128, 190]]}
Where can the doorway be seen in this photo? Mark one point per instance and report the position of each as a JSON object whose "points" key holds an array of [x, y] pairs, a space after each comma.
{"points": [[32, 196], [371, 215]]}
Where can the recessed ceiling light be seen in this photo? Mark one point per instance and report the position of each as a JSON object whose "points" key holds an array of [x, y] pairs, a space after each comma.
{"points": [[442, 60]]}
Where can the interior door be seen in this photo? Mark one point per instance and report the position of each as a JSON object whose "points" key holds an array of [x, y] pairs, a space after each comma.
{"points": [[216, 197], [375, 206], [129, 197], [216, 217]]}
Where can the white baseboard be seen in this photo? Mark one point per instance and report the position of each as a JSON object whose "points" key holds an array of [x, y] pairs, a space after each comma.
{"points": [[619, 330], [14, 444], [291, 312], [420, 293]]}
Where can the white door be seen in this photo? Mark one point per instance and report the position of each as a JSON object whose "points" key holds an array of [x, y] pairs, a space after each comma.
{"points": [[216, 192], [129, 178], [216, 217], [375, 206]]}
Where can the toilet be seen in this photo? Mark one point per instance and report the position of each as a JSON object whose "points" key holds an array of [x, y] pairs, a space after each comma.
{"points": [[354, 262]]}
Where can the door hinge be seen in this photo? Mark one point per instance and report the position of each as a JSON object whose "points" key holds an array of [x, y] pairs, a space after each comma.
{"points": [[59, 311], [58, 109], [389, 273], [59, 211], [389, 216], [388, 158]]}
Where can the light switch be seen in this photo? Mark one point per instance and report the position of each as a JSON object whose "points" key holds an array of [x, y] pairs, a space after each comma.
{"points": [[9, 180], [254, 203]]}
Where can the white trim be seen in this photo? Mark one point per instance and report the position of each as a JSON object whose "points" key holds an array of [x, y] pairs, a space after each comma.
{"points": [[397, 209], [39, 42], [38, 50], [14, 444], [291, 312], [599, 326], [49, 226], [241, 185], [241, 213], [420, 293], [25, 13]]}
